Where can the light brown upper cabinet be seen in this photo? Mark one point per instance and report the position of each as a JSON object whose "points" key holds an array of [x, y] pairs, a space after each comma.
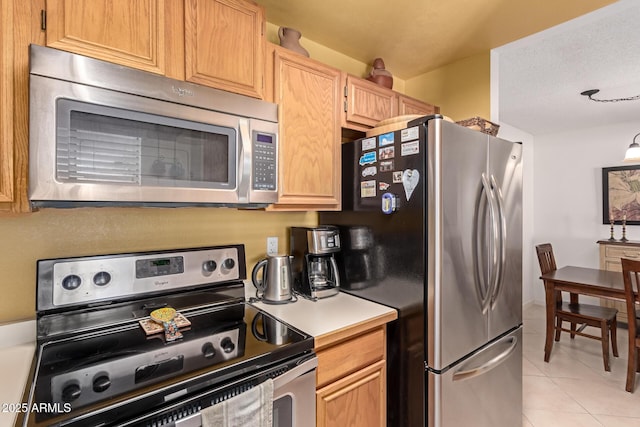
{"points": [[224, 45], [407, 105], [308, 96], [125, 32], [366, 104], [216, 43], [18, 29]]}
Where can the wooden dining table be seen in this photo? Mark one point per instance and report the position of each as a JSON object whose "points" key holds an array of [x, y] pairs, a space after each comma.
{"points": [[577, 281]]}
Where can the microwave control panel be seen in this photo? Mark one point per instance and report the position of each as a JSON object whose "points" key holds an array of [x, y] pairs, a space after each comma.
{"points": [[265, 156]]}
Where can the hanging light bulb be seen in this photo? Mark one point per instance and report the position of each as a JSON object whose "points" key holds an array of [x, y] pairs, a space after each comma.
{"points": [[633, 152]]}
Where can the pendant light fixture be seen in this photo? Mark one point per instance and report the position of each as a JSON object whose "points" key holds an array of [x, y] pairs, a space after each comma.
{"points": [[633, 152], [589, 94]]}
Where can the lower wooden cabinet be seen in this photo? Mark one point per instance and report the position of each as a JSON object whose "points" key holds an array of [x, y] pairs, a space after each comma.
{"points": [[357, 400], [351, 381], [610, 255]]}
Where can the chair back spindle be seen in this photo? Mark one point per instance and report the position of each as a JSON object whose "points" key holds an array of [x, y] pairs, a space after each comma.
{"points": [[545, 258]]}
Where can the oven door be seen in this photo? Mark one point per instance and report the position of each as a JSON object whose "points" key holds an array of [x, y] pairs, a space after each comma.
{"points": [[294, 401]]}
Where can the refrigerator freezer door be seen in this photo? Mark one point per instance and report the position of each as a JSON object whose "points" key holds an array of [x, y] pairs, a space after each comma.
{"points": [[505, 174], [484, 390], [456, 319]]}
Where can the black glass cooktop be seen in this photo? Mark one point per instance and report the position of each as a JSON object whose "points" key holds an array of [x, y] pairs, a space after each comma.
{"points": [[115, 366]]}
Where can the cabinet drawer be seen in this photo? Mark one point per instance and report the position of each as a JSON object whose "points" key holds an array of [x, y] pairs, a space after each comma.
{"points": [[342, 359], [622, 252]]}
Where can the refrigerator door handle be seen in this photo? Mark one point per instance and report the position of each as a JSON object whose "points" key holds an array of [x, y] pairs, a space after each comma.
{"points": [[502, 241], [470, 368], [484, 297]]}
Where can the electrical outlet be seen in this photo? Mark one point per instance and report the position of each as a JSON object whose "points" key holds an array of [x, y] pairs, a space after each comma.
{"points": [[272, 246]]}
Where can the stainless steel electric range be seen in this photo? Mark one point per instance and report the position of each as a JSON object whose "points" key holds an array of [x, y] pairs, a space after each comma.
{"points": [[102, 361]]}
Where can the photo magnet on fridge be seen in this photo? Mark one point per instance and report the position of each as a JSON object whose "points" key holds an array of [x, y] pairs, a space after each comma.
{"points": [[386, 139], [369, 144], [409, 134]]}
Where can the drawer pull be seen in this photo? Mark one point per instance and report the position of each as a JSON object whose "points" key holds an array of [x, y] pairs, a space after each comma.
{"points": [[631, 255]]}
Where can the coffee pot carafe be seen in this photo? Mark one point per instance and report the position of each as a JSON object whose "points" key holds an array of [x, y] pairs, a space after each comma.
{"points": [[275, 287], [315, 271]]}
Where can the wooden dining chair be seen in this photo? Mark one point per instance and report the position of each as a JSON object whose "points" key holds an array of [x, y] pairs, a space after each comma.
{"points": [[631, 275], [577, 313]]}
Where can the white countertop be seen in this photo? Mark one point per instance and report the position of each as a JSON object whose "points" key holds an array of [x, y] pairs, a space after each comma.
{"points": [[325, 316], [17, 345]]}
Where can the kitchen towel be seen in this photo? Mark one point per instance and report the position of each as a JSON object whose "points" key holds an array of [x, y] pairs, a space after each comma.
{"points": [[253, 408]]}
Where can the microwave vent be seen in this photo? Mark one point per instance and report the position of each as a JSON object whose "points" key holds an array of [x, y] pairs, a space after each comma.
{"points": [[88, 156]]}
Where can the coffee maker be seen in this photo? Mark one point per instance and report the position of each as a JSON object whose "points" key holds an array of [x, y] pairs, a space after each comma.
{"points": [[315, 271]]}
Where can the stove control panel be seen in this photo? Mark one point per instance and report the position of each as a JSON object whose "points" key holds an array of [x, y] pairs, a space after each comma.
{"points": [[86, 280]]}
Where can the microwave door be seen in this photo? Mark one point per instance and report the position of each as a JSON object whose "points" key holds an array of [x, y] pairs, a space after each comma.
{"points": [[94, 145]]}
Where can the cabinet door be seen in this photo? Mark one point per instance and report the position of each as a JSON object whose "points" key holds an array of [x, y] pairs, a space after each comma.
{"points": [[407, 105], [125, 32], [224, 45], [308, 95], [18, 29], [358, 400], [367, 103], [7, 99]]}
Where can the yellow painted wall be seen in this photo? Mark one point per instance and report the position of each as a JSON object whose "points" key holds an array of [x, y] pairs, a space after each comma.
{"points": [[333, 58], [461, 89], [54, 233]]}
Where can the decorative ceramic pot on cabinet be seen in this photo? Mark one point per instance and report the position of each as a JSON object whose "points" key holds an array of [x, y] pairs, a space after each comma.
{"points": [[290, 39], [380, 75]]}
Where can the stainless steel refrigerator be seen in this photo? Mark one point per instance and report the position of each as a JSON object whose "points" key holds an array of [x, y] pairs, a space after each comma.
{"points": [[431, 224]]}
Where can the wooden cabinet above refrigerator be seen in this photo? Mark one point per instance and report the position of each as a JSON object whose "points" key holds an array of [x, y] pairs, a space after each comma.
{"points": [[366, 104]]}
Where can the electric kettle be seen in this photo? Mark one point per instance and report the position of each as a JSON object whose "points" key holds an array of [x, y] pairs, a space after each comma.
{"points": [[276, 284]]}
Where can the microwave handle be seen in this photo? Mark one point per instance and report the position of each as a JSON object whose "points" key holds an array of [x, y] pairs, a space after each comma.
{"points": [[244, 161]]}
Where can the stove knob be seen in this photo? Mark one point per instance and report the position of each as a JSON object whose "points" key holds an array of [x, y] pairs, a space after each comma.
{"points": [[227, 345], [71, 282], [102, 278], [101, 383], [209, 266], [208, 351], [228, 264], [71, 392]]}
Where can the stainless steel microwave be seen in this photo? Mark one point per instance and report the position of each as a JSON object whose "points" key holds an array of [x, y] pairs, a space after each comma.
{"points": [[101, 134]]}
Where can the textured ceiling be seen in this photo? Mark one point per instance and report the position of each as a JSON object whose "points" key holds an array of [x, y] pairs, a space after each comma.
{"points": [[541, 77], [416, 36]]}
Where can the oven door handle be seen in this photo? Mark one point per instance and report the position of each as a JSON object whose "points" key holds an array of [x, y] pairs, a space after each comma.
{"points": [[298, 371], [195, 420]]}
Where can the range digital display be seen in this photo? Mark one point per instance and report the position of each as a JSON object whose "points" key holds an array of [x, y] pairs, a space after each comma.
{"points": [[159, 267]]}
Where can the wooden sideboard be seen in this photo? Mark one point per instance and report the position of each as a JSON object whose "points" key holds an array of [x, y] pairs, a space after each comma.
{"points": [[610, 254]]}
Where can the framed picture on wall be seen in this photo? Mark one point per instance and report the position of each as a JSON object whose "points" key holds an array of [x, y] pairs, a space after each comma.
{"points": [[621, 194]]}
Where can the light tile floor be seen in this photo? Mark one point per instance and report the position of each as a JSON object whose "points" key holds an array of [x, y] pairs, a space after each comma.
{"points": [[573, 389]]}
